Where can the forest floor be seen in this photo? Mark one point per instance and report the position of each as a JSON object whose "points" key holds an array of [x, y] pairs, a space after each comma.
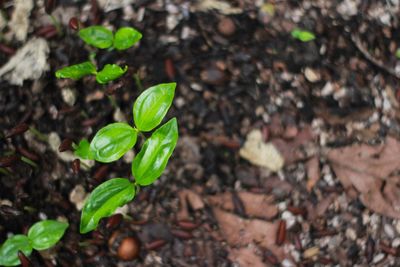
{"points": [[288, 152]]}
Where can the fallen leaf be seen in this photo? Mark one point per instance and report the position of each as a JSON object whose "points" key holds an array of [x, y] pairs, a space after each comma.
{"points": [[260, 153], [368, 170], [255, 205], [242, 232], [246, 257]]}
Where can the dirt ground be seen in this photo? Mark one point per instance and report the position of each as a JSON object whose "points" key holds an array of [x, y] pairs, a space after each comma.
{"points": [[288, 152]]}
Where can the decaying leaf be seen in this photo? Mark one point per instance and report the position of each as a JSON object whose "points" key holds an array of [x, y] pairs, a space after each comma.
{"points": [[370, 170], [28, 63], [188, 197], [260, 153], [255, 205], [242, 232]]}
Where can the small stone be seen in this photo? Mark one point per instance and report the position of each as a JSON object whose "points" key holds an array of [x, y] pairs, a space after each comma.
{"points": [[69, 96], [226, 26], [397, 226], [396, 242], [351, 234], [378, 258], [311, 252], [389, 231], [213, 76], [312, 75], [78, 196], [289, 218], [129, 249]]}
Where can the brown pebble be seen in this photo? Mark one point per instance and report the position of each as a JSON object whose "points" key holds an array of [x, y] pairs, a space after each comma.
{"points": [[213, 76], [129, 249], [169, 68], [226, 27]]}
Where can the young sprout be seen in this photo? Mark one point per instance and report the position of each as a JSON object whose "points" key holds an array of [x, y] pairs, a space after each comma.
{"points": [[111, 142], [42, 235], [304, 36], [102, 38]]}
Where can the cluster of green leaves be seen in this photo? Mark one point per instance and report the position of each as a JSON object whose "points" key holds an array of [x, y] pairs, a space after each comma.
{"points": [[42, 235], [103, 38], [111, 142], [304, 36]]}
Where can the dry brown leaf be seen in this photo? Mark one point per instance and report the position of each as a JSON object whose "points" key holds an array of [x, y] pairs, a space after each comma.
{"points": [[313, 172], [246, 257], [242, 232], [367, 169], [255, 205]]}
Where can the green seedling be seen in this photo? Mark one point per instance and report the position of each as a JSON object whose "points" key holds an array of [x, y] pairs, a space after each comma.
{"points": [[102, 38], [304, 36], [42, 235], [111, 142]]}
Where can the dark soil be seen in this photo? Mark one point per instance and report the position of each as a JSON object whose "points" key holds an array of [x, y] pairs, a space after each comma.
{"points": [[230, 81]]}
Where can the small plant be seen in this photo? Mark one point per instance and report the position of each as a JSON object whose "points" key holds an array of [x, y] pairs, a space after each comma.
{"points": [[42, 235], [304, 36], [103, 38], [112, 141]]}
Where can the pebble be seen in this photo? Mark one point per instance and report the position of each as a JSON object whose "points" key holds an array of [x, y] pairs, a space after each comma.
{"points": [[78, 196], [213, 76], [311, 252], [226, 26], [289, 218], [351, 234], [379, 257], [69, 96], [312, 75], [396, 242], [397, 226], [389, 231]]}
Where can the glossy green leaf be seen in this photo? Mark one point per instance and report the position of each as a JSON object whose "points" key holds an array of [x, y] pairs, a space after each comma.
{"points": [[97, 36], [9, 250], [110, 72], [45, 234], [82, 150], [104, 200], [152, 105], [152, 159], [112, 142], [304, 36], [126, 37], [77, 71]]}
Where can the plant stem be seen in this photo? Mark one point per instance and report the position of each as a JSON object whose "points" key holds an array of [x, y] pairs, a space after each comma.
{"points": [[38, 134], [5, 171], [113, 102], [56, 24], [138, 82], [30, 162]]}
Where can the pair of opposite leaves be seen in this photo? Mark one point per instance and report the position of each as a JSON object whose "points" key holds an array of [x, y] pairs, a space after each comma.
{"points": [[101, 37], [42, 235], [112, 141]]}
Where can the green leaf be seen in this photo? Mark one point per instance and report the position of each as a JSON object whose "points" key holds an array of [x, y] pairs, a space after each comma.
{"points": [[104, 200], [110, 72], [152, 105], [76, 71], [45, 234], [9, 250], [82, 150], [398, 53], [126, 37], [152, 159], [304, 36], [112, 142], [97, 36]]}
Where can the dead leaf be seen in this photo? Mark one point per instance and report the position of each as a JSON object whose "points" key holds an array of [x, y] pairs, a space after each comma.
{"points": [[242, 232], [313, 172], [246, 257], [260, 153], [255, 205], [367, 169]]}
